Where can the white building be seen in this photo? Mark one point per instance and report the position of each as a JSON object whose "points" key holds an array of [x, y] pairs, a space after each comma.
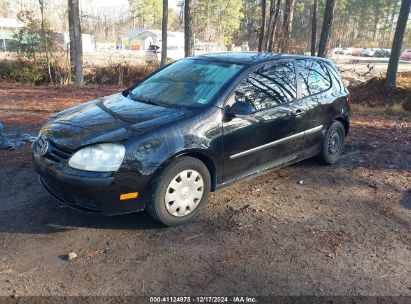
{"points": [[62, 40], [141, 39], [8, 28]]}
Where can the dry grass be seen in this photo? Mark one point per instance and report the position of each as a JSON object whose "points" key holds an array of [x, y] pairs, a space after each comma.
{"points": [[388, 110]]}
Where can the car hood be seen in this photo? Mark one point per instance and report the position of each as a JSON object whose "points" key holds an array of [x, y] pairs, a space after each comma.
{"points": [[108, 119]]}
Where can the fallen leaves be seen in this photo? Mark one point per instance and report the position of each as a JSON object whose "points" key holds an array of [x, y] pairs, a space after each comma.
{"points": [[92, 254], [193, 237], [36, 104], [3, 266]]}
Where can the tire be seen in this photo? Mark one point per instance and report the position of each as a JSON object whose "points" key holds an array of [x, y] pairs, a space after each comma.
{"points": [[175, 197], [333, 144]]}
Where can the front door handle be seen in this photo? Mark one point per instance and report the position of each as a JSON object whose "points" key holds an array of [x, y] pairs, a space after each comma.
{"points": [[298, 113]]}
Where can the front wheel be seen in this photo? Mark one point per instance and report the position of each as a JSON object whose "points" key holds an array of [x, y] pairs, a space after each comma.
{"points": [[333, 144], [179, 192]]}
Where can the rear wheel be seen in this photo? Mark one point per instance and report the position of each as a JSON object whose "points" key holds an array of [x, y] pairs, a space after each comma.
{"points": [[179, 192], [333, 144]]}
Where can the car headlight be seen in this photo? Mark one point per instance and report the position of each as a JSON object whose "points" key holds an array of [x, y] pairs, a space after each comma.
{"points": [[101, 157]]}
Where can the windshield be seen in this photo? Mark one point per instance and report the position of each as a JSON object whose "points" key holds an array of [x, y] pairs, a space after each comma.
{"points": [[186, 83]]}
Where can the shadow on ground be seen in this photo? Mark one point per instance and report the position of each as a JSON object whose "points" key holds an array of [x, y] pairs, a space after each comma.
{"points": [[406, 200]]}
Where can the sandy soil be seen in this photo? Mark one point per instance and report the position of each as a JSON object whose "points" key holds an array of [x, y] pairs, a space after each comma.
{"points": [[345, 230]]}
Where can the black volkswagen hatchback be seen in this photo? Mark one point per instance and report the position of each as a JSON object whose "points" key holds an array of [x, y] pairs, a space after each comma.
{"points": [[193, 127]]}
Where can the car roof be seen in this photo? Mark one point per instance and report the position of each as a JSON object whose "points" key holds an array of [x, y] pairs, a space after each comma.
{"points": [[251, 58]]}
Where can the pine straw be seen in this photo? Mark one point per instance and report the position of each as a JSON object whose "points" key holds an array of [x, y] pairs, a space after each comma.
{"points": [[374, 93]]}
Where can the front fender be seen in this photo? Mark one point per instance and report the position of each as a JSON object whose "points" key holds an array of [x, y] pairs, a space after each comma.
{"points": [[201, 133]]}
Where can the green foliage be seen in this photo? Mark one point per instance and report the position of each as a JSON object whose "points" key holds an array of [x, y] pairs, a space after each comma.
{"points": [[148, 12], [301, 30], [250, 23], [170, 19], [28, 39], [22, 71], [118, 74], [217, 19], [30, 72], [357, 23]]}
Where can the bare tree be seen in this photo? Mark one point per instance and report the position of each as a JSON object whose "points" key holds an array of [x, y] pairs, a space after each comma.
{"points": [[45, 40], [391, 78], [263, 21], [326, 28], [287, 25], [313, 26], [188, 28], [75, 36], [272, 24], [71, 36], [274, 16], [164, 25]]}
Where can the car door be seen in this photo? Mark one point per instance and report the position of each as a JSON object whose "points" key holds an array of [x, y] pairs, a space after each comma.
{"points": [[268, 136], [314, 102]]}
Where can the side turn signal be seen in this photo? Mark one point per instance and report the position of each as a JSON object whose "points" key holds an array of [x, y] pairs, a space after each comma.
{"points": [[126, 196]]}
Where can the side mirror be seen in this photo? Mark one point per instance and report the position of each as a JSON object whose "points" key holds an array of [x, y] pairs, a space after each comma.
{"points": [[240, 109]]}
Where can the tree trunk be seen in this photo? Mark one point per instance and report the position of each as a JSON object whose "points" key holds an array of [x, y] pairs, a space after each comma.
{"points": [[314, 27], [188, 28], [45, 42], [273, 26], [326, 28], [391, 78], [287, 25], [269, 23], [164, 25], [77, 43], [71, 36], [263, 21]]}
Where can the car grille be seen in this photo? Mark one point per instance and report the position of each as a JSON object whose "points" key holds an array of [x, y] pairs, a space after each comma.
{"points": [[58, 153], [51, 151]]}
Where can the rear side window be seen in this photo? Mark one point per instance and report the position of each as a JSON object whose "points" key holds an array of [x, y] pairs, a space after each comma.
{"points": [[268, 86], [315, 77], [336, 81]]}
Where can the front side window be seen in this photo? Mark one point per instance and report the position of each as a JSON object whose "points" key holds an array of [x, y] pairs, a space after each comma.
{"points": [[186, 83], [314, 76], [268, 86]]}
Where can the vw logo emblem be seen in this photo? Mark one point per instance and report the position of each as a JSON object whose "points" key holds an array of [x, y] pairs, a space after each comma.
{"points": [[44, 148], [43, 145]]}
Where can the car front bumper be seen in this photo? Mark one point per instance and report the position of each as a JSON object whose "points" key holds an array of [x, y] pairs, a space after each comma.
{"points": [[92, 192]]}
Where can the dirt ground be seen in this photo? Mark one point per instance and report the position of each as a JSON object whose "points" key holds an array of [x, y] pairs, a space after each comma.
{"points": [[306, 229]]}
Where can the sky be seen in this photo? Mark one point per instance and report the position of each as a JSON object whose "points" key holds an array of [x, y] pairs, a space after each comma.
{"points": [[119, 3], [96, 7]]}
